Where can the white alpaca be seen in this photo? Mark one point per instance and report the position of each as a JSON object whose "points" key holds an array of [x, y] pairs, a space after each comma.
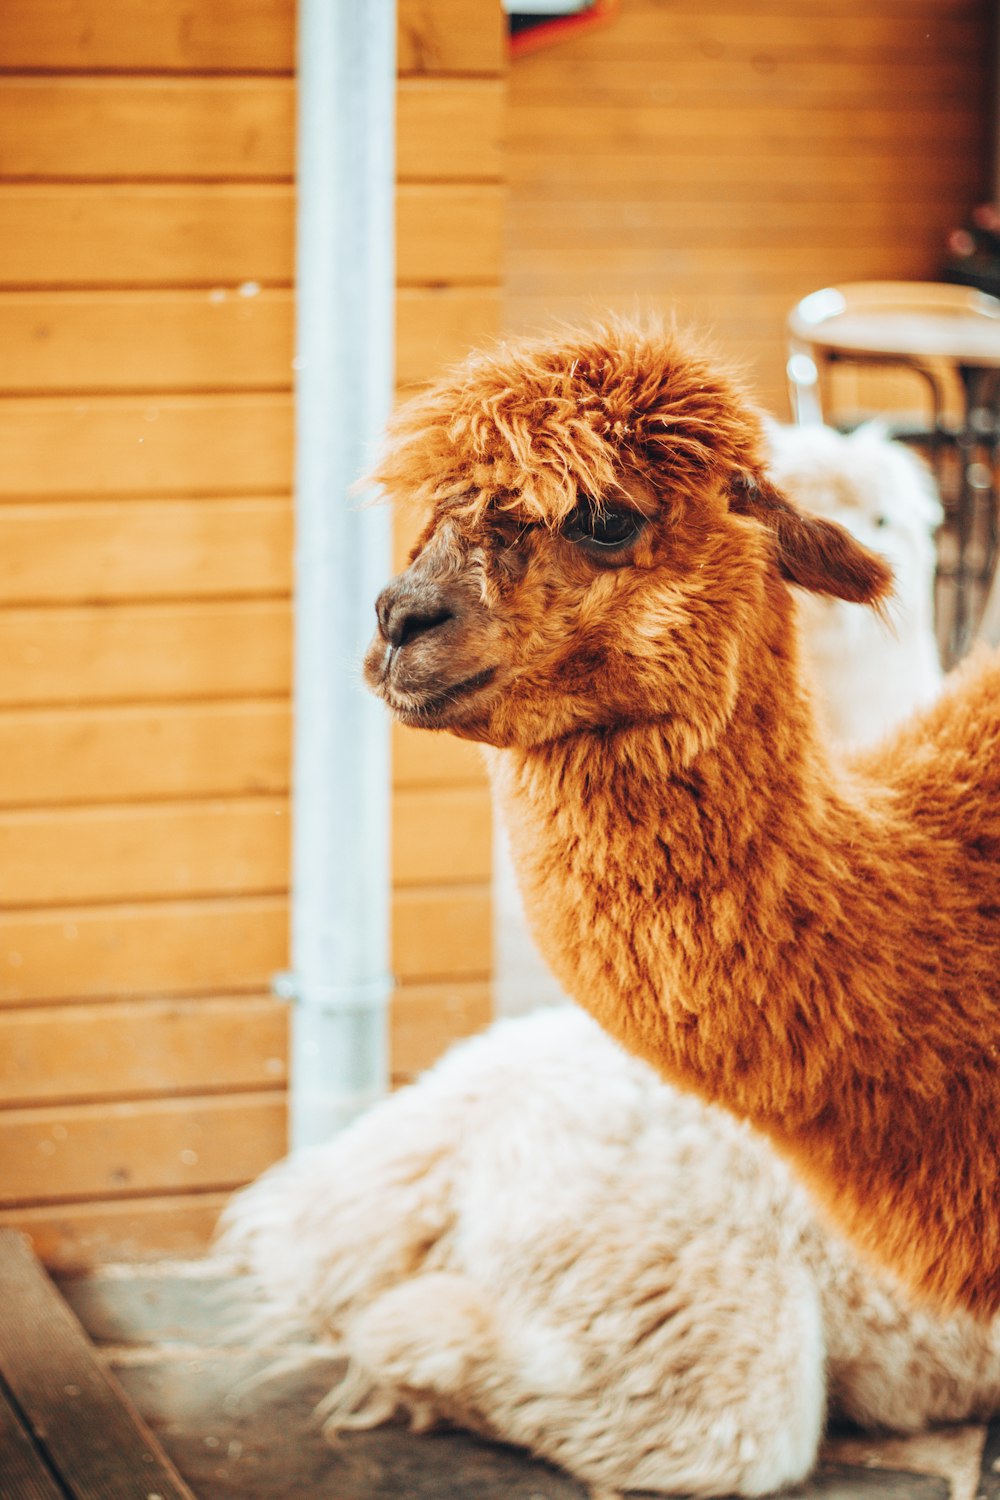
{"points": [[542, 1241]]}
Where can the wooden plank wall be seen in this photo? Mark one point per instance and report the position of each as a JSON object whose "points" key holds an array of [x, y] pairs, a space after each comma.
{"points": [[146, 264], [725, 157]]}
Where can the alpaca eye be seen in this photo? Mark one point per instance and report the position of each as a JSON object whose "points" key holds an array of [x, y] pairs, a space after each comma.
{"points": [[609, 530], [881, 521]]}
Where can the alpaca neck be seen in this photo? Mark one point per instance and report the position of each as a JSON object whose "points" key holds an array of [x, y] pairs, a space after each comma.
{"points": [[664, 896]]}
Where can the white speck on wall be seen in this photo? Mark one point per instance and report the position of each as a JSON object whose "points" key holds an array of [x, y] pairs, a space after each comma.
{"points": [[249, 289], [189, 1157]]}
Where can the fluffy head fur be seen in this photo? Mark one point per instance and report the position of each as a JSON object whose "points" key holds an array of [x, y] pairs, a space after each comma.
{"points": [[509, 459], [816, 945]]}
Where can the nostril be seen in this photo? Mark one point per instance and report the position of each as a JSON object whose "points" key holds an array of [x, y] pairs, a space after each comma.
{"points": [[404, 624]]}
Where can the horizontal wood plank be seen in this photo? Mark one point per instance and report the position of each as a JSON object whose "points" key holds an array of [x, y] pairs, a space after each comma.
{"points": [[169, 948], [184, 948], [108, 552], [851, 32], [436, 326], [451, 36], [687, 219], [202, 129], [449, 233], [423, 758], [71, 1237], [440, 835], [62, 1054], [149, 34], [89, 235], [232, 444], [707, 131], [79, 855], [150, 236], [96, 755], [73, 856], [749, 78], [434, 36], [442, 933], [134, 1049], [755, 174], [144, 652], [210, 340], [164, 1145], [427, 1019], [449, 130], [118, 341], [64, 128], [55, 1055]]}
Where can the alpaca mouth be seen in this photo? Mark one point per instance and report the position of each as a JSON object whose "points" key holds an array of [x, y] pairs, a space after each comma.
{"points": [[442, 708]]}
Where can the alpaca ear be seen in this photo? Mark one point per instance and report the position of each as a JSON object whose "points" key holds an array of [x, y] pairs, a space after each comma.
{"points": [[815, 554]]}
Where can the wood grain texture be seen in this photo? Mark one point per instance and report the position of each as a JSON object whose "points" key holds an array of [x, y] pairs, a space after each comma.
{"points": [[218, 946], [186, 234], [437, 326], [246, 36], [234, 444], [135, 1048], [724, 160], [440, 835], [25, 1471], [147, 321], [88, 1428], [422, 758], [163, 948], [147, 652], [81, 1151], [137, 753], [203, 129], [73, 856], [63, 342], [107, 552], [427, 1018], [71, 1236], [213, 847], [189, 234]]}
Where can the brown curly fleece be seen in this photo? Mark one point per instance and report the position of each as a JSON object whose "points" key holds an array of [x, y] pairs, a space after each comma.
{"points": [[813, 942]]}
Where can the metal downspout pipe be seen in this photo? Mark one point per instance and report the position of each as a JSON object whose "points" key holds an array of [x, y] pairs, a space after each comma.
{"points": [[339, 982]]}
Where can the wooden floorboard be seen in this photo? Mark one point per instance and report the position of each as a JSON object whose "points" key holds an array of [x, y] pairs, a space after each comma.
{"points": [[82, 1424], [25, 1474], [171, 1337]]}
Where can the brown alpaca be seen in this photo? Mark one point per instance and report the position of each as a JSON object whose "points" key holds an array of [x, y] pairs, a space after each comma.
{"points": [[600, 593]]}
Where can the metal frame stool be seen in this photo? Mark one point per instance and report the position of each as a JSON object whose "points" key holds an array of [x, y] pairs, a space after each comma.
{"points": [[948, 336]]}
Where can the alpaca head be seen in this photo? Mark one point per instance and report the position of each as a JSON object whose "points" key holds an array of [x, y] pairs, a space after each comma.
{"points": [[601, 544]]}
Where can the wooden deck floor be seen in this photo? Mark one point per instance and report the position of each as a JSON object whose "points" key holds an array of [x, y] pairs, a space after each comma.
{"points": [[161, 1334]]}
